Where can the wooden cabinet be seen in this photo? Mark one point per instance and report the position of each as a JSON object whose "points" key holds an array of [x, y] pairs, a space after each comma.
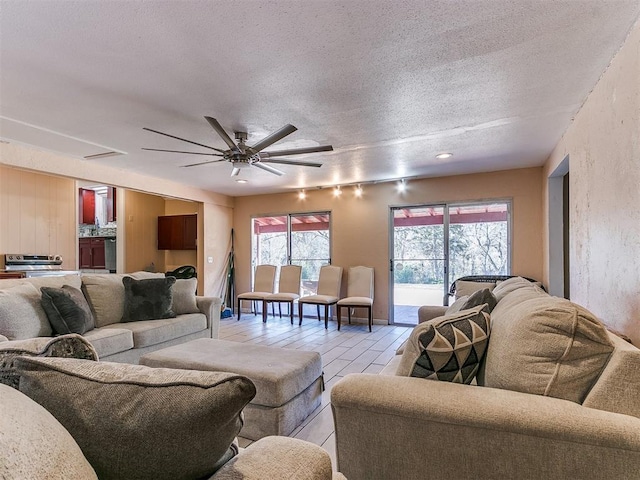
{"points": [[4, 275], [178, 232], [91, 252], [86, 206]]}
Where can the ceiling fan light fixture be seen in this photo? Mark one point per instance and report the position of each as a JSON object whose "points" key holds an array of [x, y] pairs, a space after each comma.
{"points": [[242, 180], [444, 155]]}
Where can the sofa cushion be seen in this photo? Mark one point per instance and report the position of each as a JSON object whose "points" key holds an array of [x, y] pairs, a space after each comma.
{"points": [[467, 287], [184, 296], [505, 287], [456, 306], [545, 346], [67, 310], [133, 421], [56, 281], [21, 314], [105, 294], [152, 332], [148, 299], [480, 297], [68, 346], [447, 348], [110, 339], [33, 444]]}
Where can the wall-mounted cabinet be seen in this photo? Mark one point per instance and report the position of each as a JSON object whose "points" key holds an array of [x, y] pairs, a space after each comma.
{"points": [[86, 206], [178, 232], [91, 253]]}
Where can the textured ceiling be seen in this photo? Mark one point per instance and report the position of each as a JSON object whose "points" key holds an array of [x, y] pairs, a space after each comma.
{"points": [[388, 83]]}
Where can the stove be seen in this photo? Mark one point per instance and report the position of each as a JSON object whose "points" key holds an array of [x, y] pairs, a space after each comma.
{"points": [[35, 265]]}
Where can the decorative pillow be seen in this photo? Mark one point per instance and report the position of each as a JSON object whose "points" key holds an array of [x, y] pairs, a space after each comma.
{"points": [[67, 346], [33, 444], [456, 306], [545, 345], [67, 310], [149, 299], [21, 314], [467, 287], [133, 421], [480, 297], [105, 294], [184, 296], [448, 348], [509, 285]]}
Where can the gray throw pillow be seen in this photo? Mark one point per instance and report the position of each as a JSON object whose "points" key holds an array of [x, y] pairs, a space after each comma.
{"points": [[148, 299], [184, 296], [138, 422], [481, 297], [67, 310], [66, 346], [448, 348]]}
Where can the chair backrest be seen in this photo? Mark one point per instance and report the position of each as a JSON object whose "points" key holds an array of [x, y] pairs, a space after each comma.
{"points": [[265, 278], [330, 280], [290, 279], [360, 282]]}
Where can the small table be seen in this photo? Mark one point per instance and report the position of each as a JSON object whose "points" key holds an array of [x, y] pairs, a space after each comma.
{"points": [[288, 382]]}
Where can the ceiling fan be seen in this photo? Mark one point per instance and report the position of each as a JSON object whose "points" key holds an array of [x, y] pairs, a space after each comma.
{"points": [[242, 155]]}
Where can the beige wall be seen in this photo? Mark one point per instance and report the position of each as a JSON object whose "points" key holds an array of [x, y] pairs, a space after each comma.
{"points": [[360, 227], [603, 144], [37, 215], [140, 230], [176, 258]]}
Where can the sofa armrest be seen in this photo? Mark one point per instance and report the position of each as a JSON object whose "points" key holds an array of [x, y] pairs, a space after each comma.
{"points": [[210, 306], [429, 312], [396, 427], [279, 458]]}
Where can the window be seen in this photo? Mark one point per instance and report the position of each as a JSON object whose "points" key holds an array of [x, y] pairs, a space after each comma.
{"points": [[298, 239]]}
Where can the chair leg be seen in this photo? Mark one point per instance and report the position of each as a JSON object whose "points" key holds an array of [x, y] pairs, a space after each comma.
{"points": [[339, 308], [239, 300], [279, 310], [264, 311], [290, 305], [326, 316], [370, 317], [300, 305], [318, 310], [349, 314]]}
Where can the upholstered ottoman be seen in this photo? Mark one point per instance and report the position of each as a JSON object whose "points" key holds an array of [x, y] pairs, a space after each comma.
{"points": [[288, 382]]}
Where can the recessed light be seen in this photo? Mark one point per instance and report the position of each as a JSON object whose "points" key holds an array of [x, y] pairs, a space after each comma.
{"points": [[242, 180], [442, 156]]}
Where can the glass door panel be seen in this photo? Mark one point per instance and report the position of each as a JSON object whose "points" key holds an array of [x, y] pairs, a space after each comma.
{"points": [[479, 239], [417, 261], [269, 242], [310, 247]]}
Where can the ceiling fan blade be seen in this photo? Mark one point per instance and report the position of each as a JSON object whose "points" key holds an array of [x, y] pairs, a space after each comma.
{"points": [[290, 162], [180, 151], [267, 168], [274, 137], [235, 172], [218, 128], [296, 151], [182, 139], [202, 163]]}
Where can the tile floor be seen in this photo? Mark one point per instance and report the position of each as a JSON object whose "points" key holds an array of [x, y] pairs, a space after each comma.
{"points": [[352, 349]]}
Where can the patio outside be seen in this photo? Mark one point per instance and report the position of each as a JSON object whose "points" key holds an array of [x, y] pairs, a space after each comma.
{"points": [[408, 297]]}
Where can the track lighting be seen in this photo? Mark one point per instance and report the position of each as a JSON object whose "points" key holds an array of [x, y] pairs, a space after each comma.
{"points": [[302, 195], [337, 191], [358, 191], [402, 186]]}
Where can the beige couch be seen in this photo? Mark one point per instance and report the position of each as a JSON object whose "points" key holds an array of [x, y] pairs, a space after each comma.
{"points": [[556, 397], [114, 340]]}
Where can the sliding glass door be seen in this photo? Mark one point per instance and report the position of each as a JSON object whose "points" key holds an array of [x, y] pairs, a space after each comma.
{"points": [[433, 245]]}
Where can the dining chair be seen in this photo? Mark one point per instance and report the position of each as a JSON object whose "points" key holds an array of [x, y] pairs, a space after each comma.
{"points": [[359, 293], [328, 292], [288, 291], [263, 285]]}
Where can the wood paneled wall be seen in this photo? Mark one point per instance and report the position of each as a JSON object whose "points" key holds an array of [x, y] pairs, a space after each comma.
{"points": [[37, 215], [140, 225]]}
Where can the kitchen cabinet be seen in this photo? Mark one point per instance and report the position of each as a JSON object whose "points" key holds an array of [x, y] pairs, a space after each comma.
{"points": [[178, 232], [86, 206], [91, 252]]}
